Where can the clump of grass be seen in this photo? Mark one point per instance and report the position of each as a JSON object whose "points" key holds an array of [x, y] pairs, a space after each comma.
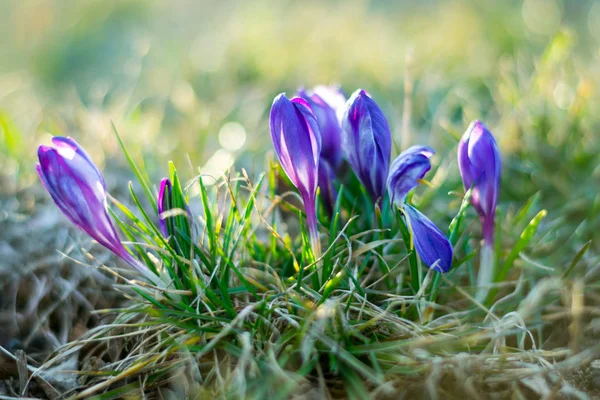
{"points": [[244, 310]]}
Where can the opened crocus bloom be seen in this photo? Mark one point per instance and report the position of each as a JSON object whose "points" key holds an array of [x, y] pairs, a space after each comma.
{"points": [[297, 141], [432, 246], [79, 191], [406, 171], [480, 165], [430, 243], [367, 142]]}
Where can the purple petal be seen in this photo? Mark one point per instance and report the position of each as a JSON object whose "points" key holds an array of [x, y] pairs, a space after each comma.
{"points": [[464, 164], [77, 159], [433, 247], [326, 114], [367, 142], [164, 195], [405, 171], [485, 166], [297, 141], [480, 167]]}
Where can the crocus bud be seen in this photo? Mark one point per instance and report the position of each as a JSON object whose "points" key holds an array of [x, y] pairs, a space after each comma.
{"points": [[174, 214], [367, 142], [433, 247], [79, 191], [297, 141], [479, 163], [327, 103], [406, 170], [164, 198]]}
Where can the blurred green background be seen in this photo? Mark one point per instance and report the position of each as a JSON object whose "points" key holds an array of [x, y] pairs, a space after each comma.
{"points": [[193, 81]]}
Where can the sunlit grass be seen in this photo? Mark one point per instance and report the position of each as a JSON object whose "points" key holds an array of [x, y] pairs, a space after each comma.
{"points": [[242, 308]]}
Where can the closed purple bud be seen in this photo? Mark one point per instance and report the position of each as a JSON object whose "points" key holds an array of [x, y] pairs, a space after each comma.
{"points": [[297, 141], [406, 170], [78, 189], [367, 142], [432, 246], [480, 167], [327, 103], [164, 196]]}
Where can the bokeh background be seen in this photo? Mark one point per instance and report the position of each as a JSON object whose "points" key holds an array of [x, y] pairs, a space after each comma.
{"points": [[193, 81]]}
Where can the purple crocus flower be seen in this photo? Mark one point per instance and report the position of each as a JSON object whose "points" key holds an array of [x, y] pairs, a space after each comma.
{"points": [[479, 163], [297, 141], [406, 170], [79, 191], [327, 103], [367, 142], [433, 247], [164, 195]]}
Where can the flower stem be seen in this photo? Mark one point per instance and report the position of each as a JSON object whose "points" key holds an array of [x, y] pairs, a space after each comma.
{"points": [[488, 229], [486, 270], [313, 230]]}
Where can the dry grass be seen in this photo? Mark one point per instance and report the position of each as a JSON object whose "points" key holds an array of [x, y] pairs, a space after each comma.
{"points": [[536, 341]]}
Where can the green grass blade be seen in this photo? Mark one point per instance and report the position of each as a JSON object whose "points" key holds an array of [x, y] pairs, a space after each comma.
{"points": [[138, 173], [520, 245]]}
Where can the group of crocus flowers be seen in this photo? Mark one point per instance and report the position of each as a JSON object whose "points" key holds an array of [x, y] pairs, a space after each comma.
{"points": [[313, 132]]}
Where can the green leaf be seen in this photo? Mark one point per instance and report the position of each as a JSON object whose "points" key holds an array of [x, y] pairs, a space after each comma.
{"points": [[333, 231], [412, 258], [181, 222], [454, 228], [526, 207], [172, 273], [576, 259], [521, 244], [138, 173]]}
